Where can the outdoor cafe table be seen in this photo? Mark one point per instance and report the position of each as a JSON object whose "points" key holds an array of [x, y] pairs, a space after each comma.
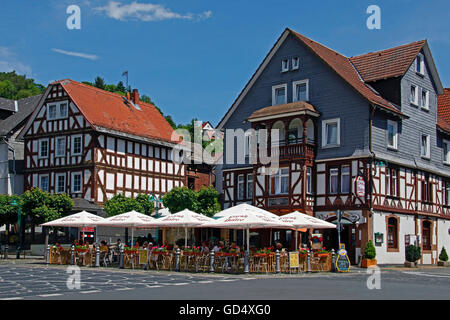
{"points": [[161, 260], [227, 261]]}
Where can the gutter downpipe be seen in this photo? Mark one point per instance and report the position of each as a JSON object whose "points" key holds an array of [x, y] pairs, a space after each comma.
{"points": [[372, 113]]}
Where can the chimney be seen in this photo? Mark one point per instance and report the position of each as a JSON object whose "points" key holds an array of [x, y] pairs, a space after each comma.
{"points": [[135, 96]]}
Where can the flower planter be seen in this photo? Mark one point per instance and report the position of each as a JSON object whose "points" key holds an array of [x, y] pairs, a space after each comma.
{"points": [[444, 263], [366, 263]]}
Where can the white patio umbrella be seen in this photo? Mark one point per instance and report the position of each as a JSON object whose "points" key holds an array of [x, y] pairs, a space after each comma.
{"points": [[301, 220], [248, 218], [185, 219], [245, 207], [132, 219], [81, 219]]}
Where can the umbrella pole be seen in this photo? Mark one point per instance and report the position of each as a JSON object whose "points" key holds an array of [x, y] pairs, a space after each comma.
{"points": [[185, 237], [132, 236], [270, 241], [296, 234], [248, 241]]}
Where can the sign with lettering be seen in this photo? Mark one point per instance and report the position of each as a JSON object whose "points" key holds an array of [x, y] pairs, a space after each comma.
{"points": [[293, 260], [360, 187], [143, 256], [342, 261]]}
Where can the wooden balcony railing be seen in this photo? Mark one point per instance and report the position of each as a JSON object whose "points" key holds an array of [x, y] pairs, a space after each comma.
{"points": [[299, 150]]}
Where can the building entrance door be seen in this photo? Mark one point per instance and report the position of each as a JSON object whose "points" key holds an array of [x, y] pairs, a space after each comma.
{"points": [[330, 239]]}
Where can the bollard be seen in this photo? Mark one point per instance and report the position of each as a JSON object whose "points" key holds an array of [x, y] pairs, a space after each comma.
{"points": [[211, 261], [72, 255], [121, 259], [97, 256], [308, 262], [147, 263], [6, 251], [177, 260], [246, 270], [47, 255], [333, 260], [278, 262]]}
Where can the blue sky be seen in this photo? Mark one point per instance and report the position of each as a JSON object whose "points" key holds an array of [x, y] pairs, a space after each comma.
{"points": [[193, 57]]}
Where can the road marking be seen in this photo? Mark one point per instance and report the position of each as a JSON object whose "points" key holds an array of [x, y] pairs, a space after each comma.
{"points": [[50, 295], [123, 289], [248, 278], [181, 284], [154, 286], [13, 298], [426, 274], [227, 280], [91, 291], [205, 281]]}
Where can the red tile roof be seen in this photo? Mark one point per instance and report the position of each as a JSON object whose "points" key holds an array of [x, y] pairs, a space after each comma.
{"points": [[108, 110], [443, 120], [387, 63], [344, 68]]}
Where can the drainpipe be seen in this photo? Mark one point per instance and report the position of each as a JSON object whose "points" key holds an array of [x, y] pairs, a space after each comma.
{"points": [[372, 113]]}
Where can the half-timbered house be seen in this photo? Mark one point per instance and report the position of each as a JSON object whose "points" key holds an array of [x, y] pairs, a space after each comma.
{"points": [[361, 134], [93, 144]]}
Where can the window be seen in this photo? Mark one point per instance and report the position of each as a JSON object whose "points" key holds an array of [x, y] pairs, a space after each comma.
{"points": [[279, 182], [425, 146], [392, 182], [414, 98], [447, 193], [279, 94], [301, 90], [240, 189], [392, 134], [43, 148], [63, 110], [279, 125], [76, 145], [334, 179], [249, 186], [427, 190], [309, 180], [426, 235], [295, 63], [60, 147], [345, 179], [295, 132], [425, 101], [60, 183], [51, 112], [43, 183], [420, 64], [285, 65], [331, 133], [392, 234], [446, 147], [76, 182]]}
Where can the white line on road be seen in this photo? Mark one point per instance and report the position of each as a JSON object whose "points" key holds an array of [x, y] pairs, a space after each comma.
{"points": [[91, 291], [427, 275], [123, 289], [13, 298], [181, 284], [50, 295]]}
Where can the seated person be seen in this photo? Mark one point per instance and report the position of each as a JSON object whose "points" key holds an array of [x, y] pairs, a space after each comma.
{"points": [[205, 248]]}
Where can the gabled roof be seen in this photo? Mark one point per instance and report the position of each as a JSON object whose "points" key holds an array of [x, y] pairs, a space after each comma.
{"points": [[107, 111], [337, 62], [443, 120], [7, 104], [387, 63], [25, 108], [284, 109]]}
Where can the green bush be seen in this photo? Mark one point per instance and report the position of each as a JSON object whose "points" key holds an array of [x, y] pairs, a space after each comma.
{"points": [[369, 251], [443, 255], [413, 253]]}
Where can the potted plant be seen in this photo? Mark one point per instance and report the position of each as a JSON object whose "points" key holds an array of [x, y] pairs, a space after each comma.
{"points": [[443, 258], [369, 256], [412, 255]]}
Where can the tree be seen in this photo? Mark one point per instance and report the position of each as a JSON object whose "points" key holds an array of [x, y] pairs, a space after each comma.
{"points": [[180, 198], [99, 83], [8, 212], [171, 122], [14, 86], [208, 201], [369, 251], [443, 255], [120, 204], [121, 87]]}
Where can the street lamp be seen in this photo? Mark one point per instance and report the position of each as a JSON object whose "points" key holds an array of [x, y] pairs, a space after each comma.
{"points": [[19, 224], [339, 216]]}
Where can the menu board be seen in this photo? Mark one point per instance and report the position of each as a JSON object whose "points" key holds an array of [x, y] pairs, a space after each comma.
{"points": [[143, 256], [342, 261], [293, 260]]}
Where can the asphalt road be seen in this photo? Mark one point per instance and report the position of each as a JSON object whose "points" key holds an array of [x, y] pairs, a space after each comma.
{"points": [[50, 282]]}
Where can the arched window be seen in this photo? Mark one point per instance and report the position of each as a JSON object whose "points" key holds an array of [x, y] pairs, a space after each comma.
{"points": [[279, 125], [295, 131], [311, 137], [392, 237], [426, 235]]}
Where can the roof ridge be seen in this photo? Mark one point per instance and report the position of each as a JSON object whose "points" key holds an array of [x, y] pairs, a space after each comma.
{"points": [[388, 49]]}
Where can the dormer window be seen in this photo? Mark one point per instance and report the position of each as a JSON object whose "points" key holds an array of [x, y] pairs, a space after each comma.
{"points": [[285, 65], [295, 63], [420, 64]]}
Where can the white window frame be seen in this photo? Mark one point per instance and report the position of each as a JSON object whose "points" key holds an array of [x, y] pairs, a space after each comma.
{"points": [[279, 176], [240, 186], [324, 132], [294, 89], [425, 106], [394, 124], [284, 65], [66, 114], [72, 145], [48, 182], [295, 66], [274, 90], [57, 110], [40, 149], [56, 146], [446, 158], [416, 95], [334, 174], [48, 111], [309, 177], [73, 182], [421, 70], [427, 155], [249, 185], [349, 179], [57, 182]]}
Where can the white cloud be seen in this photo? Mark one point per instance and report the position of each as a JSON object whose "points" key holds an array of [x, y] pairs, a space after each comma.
{"points": [[146, 12], [77, 54], [9, 62]]}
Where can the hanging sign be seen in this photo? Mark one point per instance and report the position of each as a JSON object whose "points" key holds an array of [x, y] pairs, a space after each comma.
{"points": [[342, 261], [360, 186]]}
